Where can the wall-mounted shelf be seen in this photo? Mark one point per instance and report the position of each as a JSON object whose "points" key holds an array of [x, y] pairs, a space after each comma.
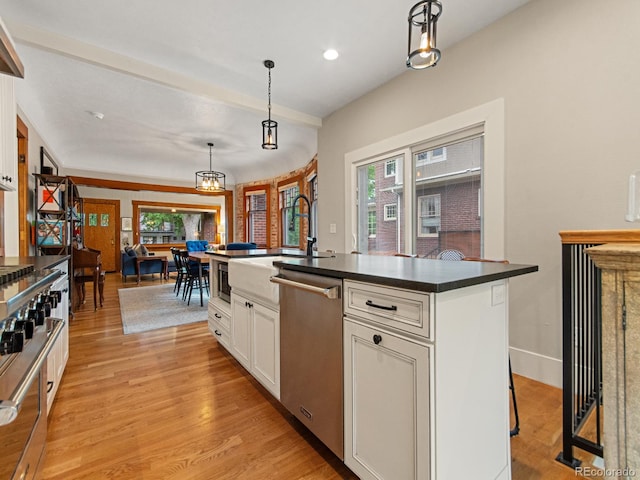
{"points": [[58, 214]]}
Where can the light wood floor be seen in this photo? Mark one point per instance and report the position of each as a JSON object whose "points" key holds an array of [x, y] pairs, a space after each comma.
{"points": [[172, 404]]}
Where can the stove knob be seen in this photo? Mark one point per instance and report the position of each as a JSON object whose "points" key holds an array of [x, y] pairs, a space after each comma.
{"points": [[11, 342], [52, 299], [44, 306], [57, 294], [37, 315], [27, 326]]}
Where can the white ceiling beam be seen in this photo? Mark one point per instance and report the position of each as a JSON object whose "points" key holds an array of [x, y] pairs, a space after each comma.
{"points": [[101, 57]]}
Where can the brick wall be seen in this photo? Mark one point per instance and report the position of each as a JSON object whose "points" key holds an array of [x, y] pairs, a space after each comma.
{"points": [[273, 215]]}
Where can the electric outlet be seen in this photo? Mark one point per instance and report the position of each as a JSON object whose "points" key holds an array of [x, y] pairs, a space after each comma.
{"points": [[497, 295], [332, 228]]}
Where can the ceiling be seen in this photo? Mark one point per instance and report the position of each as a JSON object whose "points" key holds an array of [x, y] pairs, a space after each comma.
{"points": [[169, 77]]}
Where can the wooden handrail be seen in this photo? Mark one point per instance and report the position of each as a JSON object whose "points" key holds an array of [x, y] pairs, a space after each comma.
{"points": [[586, 237]]}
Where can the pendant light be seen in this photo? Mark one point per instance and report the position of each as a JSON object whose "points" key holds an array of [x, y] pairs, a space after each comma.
{"points": [[422, 51], [269, 127], [210, 180]]}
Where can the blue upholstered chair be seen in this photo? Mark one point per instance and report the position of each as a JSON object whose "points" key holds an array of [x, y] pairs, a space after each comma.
{"points": [[197, 245]]}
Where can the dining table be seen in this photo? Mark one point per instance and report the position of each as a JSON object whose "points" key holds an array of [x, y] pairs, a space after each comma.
{"points": [[203, 259]]}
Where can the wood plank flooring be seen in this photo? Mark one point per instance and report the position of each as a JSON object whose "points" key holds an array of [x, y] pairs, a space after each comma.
{"points": [[172, 404]]}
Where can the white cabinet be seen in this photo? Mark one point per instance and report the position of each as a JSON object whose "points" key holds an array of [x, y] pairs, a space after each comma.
{"points": [[426, 382], [241, 329], [387, 431], [255, 339], [8, 139], [59, 354], [265, 347]]}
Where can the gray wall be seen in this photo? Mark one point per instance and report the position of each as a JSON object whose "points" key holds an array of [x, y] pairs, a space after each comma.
{"points": [[569, 74]]}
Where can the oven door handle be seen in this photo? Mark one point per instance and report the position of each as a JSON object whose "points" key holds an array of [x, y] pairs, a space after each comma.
{"points": [[329, 292], [9, 408]]}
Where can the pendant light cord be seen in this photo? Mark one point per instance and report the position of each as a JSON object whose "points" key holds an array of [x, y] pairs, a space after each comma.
{"points": [[269, 95]]}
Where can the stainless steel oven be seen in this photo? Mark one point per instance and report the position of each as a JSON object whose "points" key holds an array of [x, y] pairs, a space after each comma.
{"points": [[224, 290], [27, 333]]}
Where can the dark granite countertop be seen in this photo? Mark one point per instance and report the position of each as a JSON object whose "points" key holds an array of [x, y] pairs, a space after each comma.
{"points": [[411, 273], [40, 262], [262, 252]]}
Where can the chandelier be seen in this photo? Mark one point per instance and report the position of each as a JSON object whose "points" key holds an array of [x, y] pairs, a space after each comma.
{"points": [[210, 180]]}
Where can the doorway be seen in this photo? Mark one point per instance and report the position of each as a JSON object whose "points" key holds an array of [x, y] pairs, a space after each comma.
{"points": [[101, 229]]}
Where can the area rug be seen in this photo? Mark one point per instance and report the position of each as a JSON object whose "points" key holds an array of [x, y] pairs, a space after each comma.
{"points": [[149, 308]]}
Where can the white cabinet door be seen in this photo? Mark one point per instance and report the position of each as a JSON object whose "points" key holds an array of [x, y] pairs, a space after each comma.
{"points": [[387, 405], [8, 139], [241, 329], [59, 354], [265, 355]]}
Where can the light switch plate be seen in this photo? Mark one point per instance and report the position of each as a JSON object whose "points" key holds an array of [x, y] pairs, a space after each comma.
{"points": [[497, 295]]}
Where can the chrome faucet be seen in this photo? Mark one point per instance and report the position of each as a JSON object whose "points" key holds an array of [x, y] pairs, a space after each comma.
{"points": [[310, 240]]}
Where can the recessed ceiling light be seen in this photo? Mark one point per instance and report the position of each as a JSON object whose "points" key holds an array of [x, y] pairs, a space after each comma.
{"points": [[98, 115], [330, 54]]}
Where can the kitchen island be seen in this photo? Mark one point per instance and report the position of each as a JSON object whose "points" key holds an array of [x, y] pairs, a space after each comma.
{"points": [[425, 362]]}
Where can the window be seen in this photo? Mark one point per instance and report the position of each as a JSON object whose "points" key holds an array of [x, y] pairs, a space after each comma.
{"points": [[371, 225], [290, 220], [447, 197], [378, 192], [428, 215], [390, 168], [313, 197], [257, 227], [431, 156], [390, 212], [159, 223], [458, 160]]}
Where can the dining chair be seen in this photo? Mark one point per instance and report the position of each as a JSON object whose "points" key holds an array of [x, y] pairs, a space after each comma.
{"points": [[181, 271], [450, 254], [192, 279]]}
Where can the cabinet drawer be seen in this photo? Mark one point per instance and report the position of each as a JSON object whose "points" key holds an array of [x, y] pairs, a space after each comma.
{"points": [[404, 310], [222, 335], [220, 317], [219, 325]]}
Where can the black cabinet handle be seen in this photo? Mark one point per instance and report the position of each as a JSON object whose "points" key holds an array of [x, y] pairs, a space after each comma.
{"points": [[393, 308], [49, 386], [217, 315], [217, 333], [377, 339]]}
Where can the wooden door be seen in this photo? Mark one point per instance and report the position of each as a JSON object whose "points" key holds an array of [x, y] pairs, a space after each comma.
{"points": [[102, 228]]}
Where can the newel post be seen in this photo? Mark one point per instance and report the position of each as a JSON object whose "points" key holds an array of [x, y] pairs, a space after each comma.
{"points": [[620, 266]]}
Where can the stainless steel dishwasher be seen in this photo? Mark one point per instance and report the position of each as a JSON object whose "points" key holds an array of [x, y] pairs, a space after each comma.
{"points": [[311, 378]]}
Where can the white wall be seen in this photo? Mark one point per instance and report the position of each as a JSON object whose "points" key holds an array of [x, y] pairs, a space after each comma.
{"points": [[569, 73]]}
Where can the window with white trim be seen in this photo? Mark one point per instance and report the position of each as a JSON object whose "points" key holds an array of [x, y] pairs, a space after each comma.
{"points": [[390, 212], [447, 158], [375, 190], [372, 223], [428, 215], [390, 168]]}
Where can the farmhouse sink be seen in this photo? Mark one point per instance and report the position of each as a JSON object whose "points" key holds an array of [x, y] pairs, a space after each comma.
{"points": [[252, 276]]}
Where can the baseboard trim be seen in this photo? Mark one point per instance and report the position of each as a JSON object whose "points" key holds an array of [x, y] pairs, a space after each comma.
{"points": [[538, 367]]}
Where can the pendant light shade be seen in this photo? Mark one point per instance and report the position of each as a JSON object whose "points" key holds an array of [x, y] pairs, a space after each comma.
{"points": [[423, 20], [269, 127], [210, 180]]}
